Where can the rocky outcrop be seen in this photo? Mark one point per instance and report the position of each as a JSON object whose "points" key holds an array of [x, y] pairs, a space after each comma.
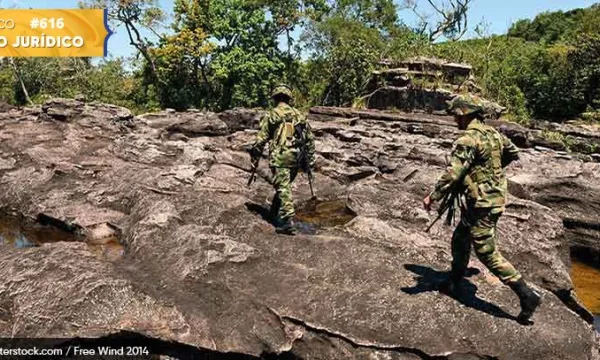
{"points": [[583, 139], [204, 271], [422, 85], [546, 173], [571, 188], [71, 109], [239, 119], [194, 123]]}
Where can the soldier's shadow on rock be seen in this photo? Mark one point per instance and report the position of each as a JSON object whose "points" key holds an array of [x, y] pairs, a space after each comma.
{"points": [[264, 212], [431, 280], [268, 215]]}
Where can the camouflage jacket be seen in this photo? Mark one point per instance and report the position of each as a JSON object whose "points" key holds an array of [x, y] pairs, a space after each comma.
{"points": [[278, 128], [479, 157]]}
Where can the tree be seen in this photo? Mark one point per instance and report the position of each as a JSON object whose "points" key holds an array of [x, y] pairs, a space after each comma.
{"points": [[134, 15], [226, 53], [109, 82], [450, 19], [585, 59], [381, 15], [553, 27], [17, 73], [289, 14], [182, 59], [249, 61], [344, 53], [346, 44]]}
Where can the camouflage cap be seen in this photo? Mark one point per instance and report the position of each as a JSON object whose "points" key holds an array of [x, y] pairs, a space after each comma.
{"points": [[464, 105], [282, 90]]}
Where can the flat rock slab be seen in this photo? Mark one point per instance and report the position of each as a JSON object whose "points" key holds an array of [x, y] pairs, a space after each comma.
{"points": [[203, 268]]}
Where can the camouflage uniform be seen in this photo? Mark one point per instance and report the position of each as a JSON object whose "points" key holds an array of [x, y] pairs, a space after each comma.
{"points": [[479, 157], [278, 128]]}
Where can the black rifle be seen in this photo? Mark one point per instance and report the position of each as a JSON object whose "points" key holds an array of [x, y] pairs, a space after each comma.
{"points": [[253, 171], [303, 158], [312, 192], [448, 204], [452, 198]]}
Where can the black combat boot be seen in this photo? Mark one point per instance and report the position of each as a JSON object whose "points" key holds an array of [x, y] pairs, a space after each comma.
{"points": [[452, 286], [530, 300], [287, 227]]}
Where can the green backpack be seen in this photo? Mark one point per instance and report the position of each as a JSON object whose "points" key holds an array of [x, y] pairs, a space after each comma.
{"points": [[291, 134]]}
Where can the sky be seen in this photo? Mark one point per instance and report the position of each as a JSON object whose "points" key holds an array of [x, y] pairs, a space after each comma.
{"points": [[498, 15]]}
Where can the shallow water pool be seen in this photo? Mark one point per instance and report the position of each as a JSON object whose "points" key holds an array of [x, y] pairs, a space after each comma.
{"points": [[586, 280]]}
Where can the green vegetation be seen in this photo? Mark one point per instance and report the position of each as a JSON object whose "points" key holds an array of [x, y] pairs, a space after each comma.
{"points": [[221, 54], [570, 143]]}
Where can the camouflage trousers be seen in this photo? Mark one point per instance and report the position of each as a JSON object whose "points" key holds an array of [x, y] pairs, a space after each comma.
{"points": [[477, 229], [282, 207]]}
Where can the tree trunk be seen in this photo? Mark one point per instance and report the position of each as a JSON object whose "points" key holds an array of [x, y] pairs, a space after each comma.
{"points": [[18, 75]]}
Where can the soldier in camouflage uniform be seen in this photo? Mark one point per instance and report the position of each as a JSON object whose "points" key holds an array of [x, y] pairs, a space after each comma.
{"points": [[476, 170], [282, 128]]}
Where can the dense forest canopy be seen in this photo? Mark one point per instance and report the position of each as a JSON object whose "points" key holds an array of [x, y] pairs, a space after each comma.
{"points": [[219, 54]]}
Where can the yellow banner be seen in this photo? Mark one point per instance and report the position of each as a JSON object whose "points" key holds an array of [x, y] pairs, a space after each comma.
{"points": [[53, 33]]}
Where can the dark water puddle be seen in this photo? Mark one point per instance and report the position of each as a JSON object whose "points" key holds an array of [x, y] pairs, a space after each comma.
{"points": [[317, 214], [23, 233], [586, 280], [20, 232]]}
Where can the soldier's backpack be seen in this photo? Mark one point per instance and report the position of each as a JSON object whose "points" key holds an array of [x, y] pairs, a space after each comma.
{"points": [[291, 134]]}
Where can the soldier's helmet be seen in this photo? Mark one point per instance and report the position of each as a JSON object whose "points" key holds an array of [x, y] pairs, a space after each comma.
{"points": [[464, 105], [282, 90]]}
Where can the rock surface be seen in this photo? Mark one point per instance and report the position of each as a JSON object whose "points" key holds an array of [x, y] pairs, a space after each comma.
{"points": [[204, 269], [583, 139]]}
